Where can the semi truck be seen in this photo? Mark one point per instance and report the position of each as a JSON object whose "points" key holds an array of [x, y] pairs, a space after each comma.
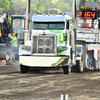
{"points": [[52, 44], [58, 41]]}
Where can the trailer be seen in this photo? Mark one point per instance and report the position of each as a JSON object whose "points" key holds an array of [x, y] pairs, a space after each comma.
{"points": [[90, 34]]}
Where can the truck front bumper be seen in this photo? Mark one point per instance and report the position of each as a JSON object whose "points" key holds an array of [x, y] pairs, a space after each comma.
{"points": [[40, 61]]}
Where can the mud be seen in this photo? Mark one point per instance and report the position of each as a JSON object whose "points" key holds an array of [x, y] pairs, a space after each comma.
{"points": [[47, 84]]}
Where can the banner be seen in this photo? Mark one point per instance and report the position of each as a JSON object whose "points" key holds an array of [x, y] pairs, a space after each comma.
{"points": [[87, 37]]}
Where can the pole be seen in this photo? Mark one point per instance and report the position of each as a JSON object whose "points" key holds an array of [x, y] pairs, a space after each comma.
{"points": [[26, 35], [74, 30]]}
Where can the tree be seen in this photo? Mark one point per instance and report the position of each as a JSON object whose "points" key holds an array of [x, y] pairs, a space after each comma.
{"points": [[18, 4], [93, 0], [37, 5], [96, 0], [9, 19], [69, 2], [62, 5], [42, 5], [4, 4]]}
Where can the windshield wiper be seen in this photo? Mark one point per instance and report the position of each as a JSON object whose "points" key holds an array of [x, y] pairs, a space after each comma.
{"points": [[40, 28]]}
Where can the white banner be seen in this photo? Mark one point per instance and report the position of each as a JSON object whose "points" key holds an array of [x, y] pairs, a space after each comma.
{"points": [[93, 46], [87, 37]]}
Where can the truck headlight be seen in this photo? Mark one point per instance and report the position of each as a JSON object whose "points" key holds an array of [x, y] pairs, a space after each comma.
{"points": [[28, 48], [61, 48]]}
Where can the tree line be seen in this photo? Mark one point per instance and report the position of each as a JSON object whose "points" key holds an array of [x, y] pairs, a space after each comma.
{"points": [[39, 5]]}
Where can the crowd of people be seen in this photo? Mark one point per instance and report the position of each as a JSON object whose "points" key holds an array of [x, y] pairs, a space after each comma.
{"points": [[11, 46]]}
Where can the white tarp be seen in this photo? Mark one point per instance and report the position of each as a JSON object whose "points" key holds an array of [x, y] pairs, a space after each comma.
{"points": [[2, 18]]}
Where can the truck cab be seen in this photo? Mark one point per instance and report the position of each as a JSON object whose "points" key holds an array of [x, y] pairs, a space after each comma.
{"points": [[18, 26], [51, 43]]}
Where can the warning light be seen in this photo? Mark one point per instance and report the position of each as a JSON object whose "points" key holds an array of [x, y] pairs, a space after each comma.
{"points": [[16, 14], [96, 7], [86, 8], [43, 34]]}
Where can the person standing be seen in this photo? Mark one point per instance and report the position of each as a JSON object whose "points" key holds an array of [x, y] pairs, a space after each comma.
{"points": [[8, 47], [14, 46], [84, 24]]}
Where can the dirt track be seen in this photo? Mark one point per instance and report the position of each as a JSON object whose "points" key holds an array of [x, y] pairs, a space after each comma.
{"points": [[47, 85]]}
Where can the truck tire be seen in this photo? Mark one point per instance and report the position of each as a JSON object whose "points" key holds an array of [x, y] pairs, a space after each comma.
{"points": [[23, 69], [66, 69], [79, 65]]}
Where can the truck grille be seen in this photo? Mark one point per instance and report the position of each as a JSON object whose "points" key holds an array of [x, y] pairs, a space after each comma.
{"points": [[44, 44]]}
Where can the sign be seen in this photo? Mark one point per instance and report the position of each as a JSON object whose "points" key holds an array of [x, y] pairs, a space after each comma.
{"points": [[93, 46], [87, 37], [89, 14], [82, 30]]}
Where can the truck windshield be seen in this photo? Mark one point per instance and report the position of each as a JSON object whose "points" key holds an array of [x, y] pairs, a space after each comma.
{"points": [[18, 25], [49, 25]]}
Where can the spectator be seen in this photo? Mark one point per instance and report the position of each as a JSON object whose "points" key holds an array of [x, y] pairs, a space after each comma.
{"points": [[8, 47], [84, 24], [14, 46]]}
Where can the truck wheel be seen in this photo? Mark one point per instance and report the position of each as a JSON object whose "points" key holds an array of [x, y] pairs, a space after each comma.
{"points": [[23, 69], [80, 64], [78, 67], [66, 69]]}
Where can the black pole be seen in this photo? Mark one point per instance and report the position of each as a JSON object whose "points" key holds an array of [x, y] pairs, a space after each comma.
{"points": [[75, 26], [29, 7], [75, 9]]}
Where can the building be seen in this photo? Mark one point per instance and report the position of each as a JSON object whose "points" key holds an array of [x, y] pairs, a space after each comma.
{"points": [[20, 12]]}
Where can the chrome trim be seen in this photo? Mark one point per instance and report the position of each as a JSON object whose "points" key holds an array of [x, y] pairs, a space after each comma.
{"points": [[52, 40]]}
